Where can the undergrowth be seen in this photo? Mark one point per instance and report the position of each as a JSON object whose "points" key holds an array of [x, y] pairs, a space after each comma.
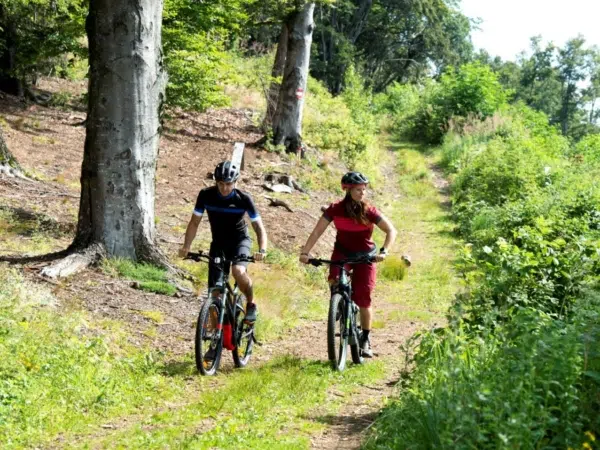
{"points": [[150, 278]]}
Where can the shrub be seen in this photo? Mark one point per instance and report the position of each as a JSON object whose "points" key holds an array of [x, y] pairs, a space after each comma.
{"points": [[472, 90], [529, 384]]}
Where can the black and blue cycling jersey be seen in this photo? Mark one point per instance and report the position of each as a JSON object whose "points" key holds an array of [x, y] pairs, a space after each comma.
{"points": [[226, 214]]}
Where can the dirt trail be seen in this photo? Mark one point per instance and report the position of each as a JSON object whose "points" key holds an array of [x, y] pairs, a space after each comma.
{"points": [[45, 139]]}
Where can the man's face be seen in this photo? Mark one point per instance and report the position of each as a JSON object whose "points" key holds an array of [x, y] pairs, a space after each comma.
{"points": [[225, 188]]}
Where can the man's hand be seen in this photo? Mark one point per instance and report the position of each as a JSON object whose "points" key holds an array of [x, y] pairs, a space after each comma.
{"points": [[183, 251], [260, 256], [304, 257]]}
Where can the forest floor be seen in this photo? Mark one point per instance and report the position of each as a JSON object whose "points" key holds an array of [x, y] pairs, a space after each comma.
{"points": [[294, 397]]}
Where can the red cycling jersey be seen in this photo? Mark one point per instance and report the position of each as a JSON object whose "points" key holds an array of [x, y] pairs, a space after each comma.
{"points": [[351, 235]]}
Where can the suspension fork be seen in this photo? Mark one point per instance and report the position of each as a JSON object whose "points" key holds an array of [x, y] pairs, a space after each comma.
{"points": [[222, 306]]}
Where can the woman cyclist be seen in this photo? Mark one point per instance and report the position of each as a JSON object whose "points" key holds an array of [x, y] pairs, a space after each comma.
{"points": [[354, 220]]}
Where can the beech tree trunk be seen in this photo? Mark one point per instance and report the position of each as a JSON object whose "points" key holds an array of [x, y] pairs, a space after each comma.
{"points": [[8, 164], [126, 92], [287, 122], [278, 67]]}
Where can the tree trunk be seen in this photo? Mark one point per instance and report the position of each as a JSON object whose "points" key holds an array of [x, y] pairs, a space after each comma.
{"points": [[8, 82], [359, 20], [277, 72], [565, 111], [287, 122], [8, 164], [126, 92]]}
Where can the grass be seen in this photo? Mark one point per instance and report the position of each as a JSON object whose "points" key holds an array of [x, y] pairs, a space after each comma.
{"points": [[279, 405], [155, 316], [24, 232], [65, 371], [150, 278], [425, 232], [393, 269]]}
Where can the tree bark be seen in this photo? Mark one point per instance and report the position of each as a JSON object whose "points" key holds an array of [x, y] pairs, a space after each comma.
{"points": [[126, 93], [287, 122], [8, 82], [8, 164], [278, 67]]}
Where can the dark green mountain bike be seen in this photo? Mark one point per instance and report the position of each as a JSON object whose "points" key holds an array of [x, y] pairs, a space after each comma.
{"points": [[343, 325], [221, 321]]}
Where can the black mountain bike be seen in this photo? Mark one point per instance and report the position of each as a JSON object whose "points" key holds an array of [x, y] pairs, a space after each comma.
{"points": [[343, 325], [221, 321]]}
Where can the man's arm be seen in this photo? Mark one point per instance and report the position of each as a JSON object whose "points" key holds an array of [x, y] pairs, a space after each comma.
{"points": [[261, 234], [190, 234]]}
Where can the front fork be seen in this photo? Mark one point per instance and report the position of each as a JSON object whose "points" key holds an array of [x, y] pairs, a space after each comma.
{"points": [[217, 294], [351, 323]]}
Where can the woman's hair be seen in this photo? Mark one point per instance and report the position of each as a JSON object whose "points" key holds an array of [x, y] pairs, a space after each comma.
{"points": [[356, 210]]}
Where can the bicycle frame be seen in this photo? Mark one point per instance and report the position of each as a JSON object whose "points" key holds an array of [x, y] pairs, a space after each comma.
{"points": [[344, 288], [227, 295]]}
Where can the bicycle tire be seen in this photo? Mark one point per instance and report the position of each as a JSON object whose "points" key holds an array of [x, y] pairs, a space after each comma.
{"points": [[244, 335], [204, 342], [337, 349], [357, 357]]}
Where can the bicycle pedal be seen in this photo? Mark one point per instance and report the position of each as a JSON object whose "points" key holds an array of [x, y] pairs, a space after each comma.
{"points": [[256, 341]]}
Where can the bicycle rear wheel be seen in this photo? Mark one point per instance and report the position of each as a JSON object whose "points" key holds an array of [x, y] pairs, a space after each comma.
{"points": [[337, 336], [244, 335], [209, 342]]}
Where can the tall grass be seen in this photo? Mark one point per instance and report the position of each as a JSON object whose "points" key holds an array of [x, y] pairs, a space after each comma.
{"points": [[63, 371]]}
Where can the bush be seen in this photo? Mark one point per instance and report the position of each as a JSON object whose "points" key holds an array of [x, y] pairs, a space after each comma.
{"points": [[530, 384], [197, 67], [343, 124], [471, 91]]}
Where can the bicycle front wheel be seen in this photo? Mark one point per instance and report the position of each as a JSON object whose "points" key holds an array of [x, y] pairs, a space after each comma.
{"points": [[337, 335], [243, 333], [355, 351], [209, 341]]}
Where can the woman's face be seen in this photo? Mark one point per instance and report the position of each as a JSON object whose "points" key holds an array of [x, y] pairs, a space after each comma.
{"points": [[358, 192]]}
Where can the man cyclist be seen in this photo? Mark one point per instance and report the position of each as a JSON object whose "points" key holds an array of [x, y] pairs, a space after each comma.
{"points": [[226, 206], [354, 220]]}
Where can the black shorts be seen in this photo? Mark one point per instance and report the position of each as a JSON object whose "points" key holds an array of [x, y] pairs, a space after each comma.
{"points": [[230, 250]]}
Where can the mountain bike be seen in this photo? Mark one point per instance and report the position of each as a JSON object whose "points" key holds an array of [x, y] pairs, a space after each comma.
{"points": [[343, 325], [221, 321]]}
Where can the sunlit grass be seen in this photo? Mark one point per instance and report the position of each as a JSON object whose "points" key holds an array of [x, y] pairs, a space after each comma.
{"points": [[150, 278], [63, 371], [279, 405], [425, 232], [33, 235]]}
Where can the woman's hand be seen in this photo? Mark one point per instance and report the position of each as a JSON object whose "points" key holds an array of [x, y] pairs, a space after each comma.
{"points": [[380, 257]]}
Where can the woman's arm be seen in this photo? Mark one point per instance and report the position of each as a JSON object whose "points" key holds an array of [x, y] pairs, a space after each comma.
{"points": [[390, 235], [318, 231]]}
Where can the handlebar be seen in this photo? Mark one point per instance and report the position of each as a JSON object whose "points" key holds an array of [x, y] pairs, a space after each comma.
{"points": [[202, 256], [342, 262]]}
